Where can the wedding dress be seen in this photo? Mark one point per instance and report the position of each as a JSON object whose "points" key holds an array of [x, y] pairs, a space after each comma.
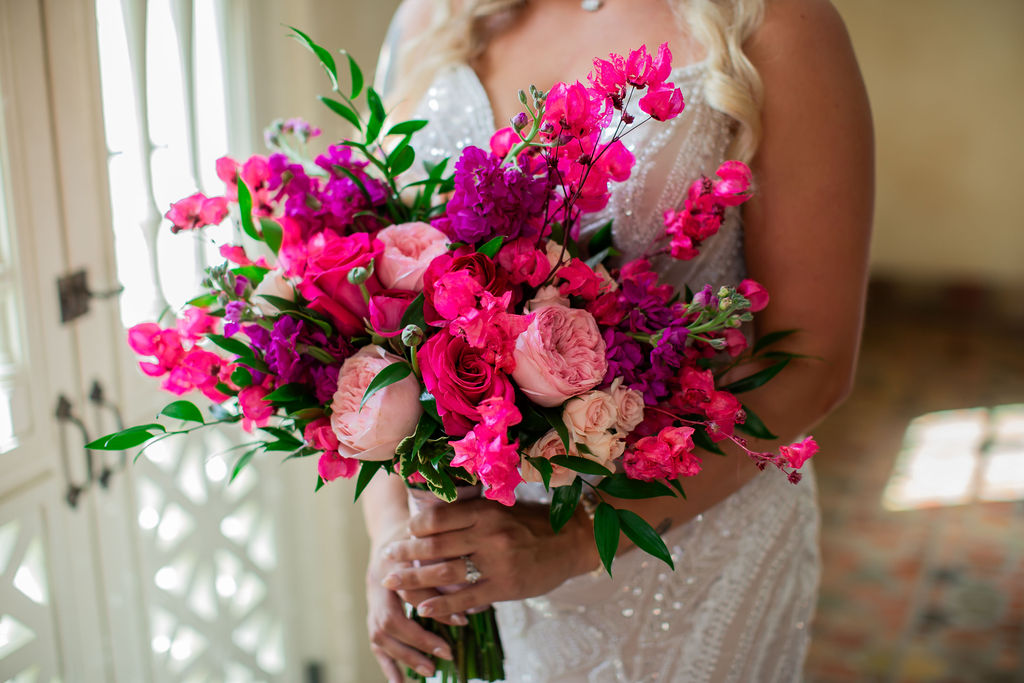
{"points": [[738, 606]]}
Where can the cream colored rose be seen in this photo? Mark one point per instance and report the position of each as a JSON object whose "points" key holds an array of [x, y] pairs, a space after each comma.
{"points": [[546, 296], [276, 284], [588, 413], [547, 447], [629, 405]]}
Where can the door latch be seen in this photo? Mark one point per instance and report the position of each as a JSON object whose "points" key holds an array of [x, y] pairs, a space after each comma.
{"points": [[75, 295]]}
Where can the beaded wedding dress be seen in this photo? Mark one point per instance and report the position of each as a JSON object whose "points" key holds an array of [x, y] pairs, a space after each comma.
{"points": [[738, 605]]}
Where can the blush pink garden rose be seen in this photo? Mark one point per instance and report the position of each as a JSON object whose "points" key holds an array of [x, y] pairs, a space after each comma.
{"points": [[408, 249], [560, 355], [547, 447], [389, 415], [629, 406], [276, 284]]}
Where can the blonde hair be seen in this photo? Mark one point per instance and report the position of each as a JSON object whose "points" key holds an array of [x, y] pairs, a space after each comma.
{"points": [[732, 84]]}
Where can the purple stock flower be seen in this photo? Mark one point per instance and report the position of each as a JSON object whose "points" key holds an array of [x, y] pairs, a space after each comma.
{"points": [[491, 199], [325, 382], [233, 315]]}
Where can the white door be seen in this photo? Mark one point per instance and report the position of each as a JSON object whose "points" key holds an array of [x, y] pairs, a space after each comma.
{"points": [[158, 571]]}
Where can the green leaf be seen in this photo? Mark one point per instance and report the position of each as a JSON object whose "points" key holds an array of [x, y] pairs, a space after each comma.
{"points": [[606, 534], [753, 426], [283, 435], [491, 247], [601, 239], [373, 128], [278, 446], [287, 393], [254, 363], [429, 404], [357, 76], [544, 468], [578, 464], [366, 471], [242, 462], [342, 110], [319, 484], [644, 536], [770, 338], [564, 500], [600, 256], [447, 490], [272, 233], [241, 377], [401, 160], [126, 438], [245, 209], [254, 274], [279, 303], [325, 57], [203, 300], [757, 379], [678, 487], [554, 418], [407, 127], [425, 429], [375, 104], [395, 372], [183, 410], [320, 355], [230, 345], [621, 486], [702, 440]]}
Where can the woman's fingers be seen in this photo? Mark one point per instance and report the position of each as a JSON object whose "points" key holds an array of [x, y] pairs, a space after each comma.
{"points": [[391, 670], [432, 548], [459, 601], [447, 573], [415, 597], [404, 655], [441, 518]]}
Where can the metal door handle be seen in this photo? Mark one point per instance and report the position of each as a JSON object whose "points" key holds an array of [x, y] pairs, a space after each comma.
{"points": [[65, 413]]}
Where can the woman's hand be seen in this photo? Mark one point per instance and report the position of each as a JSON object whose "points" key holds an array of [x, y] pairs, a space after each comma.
{"points": [[515, 550], [397, 640]]}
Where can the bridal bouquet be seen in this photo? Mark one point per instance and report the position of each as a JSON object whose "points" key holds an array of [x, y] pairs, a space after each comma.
{"points": [[456, 329]]}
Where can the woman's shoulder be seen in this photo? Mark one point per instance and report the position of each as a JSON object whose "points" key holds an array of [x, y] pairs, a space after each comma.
{"points": [[799, 30]]}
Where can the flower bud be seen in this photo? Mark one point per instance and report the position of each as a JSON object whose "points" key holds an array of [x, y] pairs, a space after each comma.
{"points": [[725, 303], [718, 344], [412, 336], [547, 128], [733, 321], [746, 317], [358, 276], [520, 121], [522, 96], [723, 292]]}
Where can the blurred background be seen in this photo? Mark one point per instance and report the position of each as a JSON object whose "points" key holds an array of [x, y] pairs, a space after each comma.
{"points": [[161, 572]]}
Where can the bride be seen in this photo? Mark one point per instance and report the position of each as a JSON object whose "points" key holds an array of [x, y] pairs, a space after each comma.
{"points": [[771, 82]]}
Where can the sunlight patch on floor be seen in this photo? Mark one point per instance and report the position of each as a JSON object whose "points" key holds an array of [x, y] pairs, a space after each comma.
{"points": [[955, 457]]}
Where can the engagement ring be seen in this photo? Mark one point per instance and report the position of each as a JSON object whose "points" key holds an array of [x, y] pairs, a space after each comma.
{"points": [[472, 573]]}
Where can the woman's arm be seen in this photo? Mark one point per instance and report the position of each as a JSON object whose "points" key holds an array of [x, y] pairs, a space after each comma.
{"points": [[806, 239]]}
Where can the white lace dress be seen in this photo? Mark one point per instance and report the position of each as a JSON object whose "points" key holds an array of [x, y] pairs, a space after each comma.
{"points": [[738, 605]]}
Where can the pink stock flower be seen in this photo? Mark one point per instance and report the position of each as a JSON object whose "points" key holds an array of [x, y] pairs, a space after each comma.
{"points": [[333, 465], [736, 341], [479, 267], [560, 355], [524, 262], [734, 188], [373, 431], [148, 339], [668, 455], [580, 280], [492, 329], [796, 454], [455, 293], [195, 323], [256, 410], [486, 451], [576, 110], [503, 141], [236, 254], [320, 435], [196, 211], [386, 310], [255, 172], [408, 250], [547, 447], [663, 102], [460, 378], [638, 69], [698, 394], [755, 293]]}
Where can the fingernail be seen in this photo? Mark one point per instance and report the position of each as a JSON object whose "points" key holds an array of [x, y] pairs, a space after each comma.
{"points": [[426, 610], [424, 670], [460, 620], [444, 652], [391, 581], [389, 551]]}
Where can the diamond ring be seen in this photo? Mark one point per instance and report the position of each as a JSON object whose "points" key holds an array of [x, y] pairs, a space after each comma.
{"points": [[472, 573]]}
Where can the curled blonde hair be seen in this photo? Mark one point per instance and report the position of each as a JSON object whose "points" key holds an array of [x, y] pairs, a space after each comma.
{"points": [[732, 84]]}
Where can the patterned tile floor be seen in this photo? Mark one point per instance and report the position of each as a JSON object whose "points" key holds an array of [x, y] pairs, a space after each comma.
{"points": [[935, 593]]}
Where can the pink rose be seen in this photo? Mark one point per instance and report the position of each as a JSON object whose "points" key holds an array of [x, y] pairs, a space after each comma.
{"points": [[320, 435], [547, 447], [796, 454], [390, 415], [386, 310], [560, 355], [629, 405], [460, 378], [408, 250], [329, 258], [524, 262], [755, 293]]}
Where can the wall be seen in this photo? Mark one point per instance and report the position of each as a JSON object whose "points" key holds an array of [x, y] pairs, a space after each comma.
{"points": [[945, 79]]}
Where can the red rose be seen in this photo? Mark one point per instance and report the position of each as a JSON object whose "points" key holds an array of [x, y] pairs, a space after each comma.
{"points": [[460, 379], [330, 257]]}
